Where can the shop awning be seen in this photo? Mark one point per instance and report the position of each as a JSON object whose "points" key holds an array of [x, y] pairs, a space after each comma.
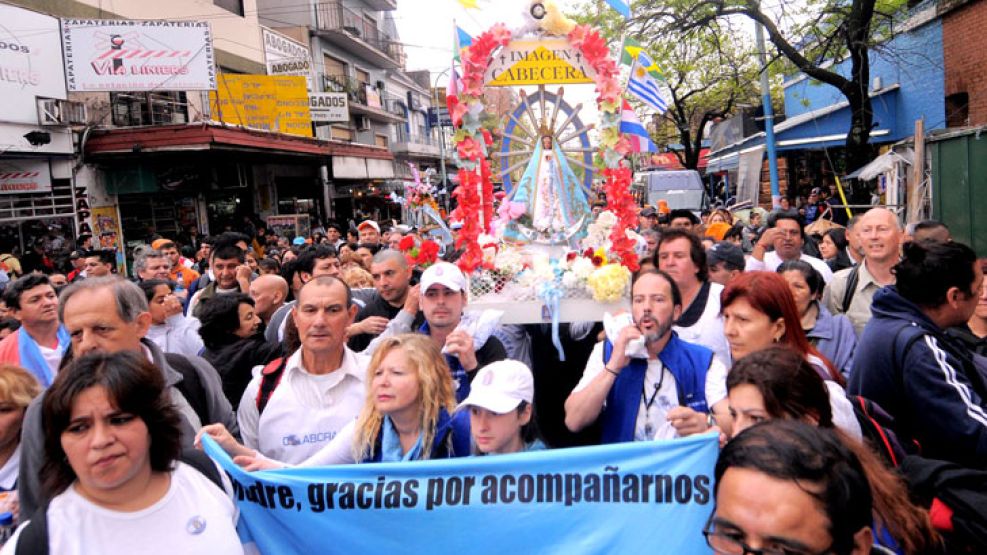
{"points": [[882, 164], [828, 126], [217, 137]]}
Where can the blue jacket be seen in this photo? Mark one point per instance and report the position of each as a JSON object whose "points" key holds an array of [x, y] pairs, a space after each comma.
{"points": [[688, 364], [452, 437], [834, 337], [933, 387]]}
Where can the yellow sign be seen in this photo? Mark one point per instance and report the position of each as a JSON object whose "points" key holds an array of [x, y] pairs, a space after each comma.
{"points": [[525, 62], [272, 102]]}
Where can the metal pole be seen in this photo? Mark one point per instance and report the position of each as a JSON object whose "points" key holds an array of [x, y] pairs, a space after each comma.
{"points": [[769, 118], [442, 133]]}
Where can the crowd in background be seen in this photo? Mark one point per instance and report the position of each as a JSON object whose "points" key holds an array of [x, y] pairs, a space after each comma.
{"points": [[841, 366]]}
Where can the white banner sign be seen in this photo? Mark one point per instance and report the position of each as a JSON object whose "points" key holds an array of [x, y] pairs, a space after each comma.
{"points": [[102, 55], [286, 56], [29, 51], [329, 107], [24, 176]]}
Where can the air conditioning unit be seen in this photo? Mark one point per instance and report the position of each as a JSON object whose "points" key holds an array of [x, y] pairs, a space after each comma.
{"points": [[52, 111], [362, 123]]}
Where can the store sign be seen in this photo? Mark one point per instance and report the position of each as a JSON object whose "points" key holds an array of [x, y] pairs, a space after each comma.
{"points": [[29, 49], [286, 56], [542, 62], [329, 107], [135, 55], [263, 102], [24, 176]]}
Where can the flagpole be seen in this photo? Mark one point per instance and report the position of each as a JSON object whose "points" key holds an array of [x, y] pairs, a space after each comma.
{"points": [[769, 119]]}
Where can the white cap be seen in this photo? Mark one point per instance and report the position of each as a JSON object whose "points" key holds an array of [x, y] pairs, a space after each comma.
{"points": [[371, 223], [501, 386], [443, 273]]}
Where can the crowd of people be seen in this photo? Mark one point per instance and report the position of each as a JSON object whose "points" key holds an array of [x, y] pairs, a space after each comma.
{"points": [[843, 372]]}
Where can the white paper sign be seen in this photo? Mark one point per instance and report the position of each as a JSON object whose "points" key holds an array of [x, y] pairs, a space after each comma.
{"points": [[329, 107], [30, 62], [130, 55], [286, 56], [24, 176]]}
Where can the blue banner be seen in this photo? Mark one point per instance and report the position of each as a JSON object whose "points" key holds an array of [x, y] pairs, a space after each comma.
{"points": [[625, 498]]}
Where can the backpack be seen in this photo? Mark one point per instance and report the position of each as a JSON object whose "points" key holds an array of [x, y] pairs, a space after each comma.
{"points": [[269, 381], [877, 428], [33, 539], [851, 288]]}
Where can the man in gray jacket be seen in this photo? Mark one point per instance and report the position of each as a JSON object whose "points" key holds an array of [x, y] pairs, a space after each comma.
{"points": [[111, 315]]}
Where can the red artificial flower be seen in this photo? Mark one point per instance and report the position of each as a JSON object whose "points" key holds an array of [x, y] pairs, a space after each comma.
{"points": [[569, 257], [428, 252], [588, 253], [487, 137], [578, 35], [406, 243], [410, 259], [469, 149], [597, 261]]}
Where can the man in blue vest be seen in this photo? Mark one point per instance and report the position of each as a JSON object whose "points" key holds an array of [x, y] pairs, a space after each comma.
{"points": [[663, 389]]}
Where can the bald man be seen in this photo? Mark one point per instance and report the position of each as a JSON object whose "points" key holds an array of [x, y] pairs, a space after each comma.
{"points": [[269, 292], [851, 290]]}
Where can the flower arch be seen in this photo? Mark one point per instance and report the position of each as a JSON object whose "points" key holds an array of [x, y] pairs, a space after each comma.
{"points": [[474, 193]]}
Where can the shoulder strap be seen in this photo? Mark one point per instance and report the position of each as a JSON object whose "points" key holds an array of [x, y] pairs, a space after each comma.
{"points": [[191, 385], [201, 462], [33, 539], [269, 381], [851, 287]]}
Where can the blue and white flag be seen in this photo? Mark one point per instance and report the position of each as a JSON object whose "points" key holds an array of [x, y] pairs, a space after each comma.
{"points": [[645, 87], [622, 6], [640, 497]]}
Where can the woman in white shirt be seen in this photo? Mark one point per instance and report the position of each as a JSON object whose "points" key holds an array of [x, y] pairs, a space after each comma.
{"points": [[113, 472]]}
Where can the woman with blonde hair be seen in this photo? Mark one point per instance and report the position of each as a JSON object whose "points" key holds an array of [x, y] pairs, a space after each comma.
{"points": [[408, 414], [17, 388]]}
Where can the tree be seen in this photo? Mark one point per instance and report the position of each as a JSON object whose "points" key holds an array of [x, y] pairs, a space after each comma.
{"points": [[810, 36], [708, 73]]}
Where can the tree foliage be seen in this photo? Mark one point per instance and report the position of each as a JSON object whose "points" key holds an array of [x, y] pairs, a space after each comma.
{"points": [[709, 71], [809, 35]]}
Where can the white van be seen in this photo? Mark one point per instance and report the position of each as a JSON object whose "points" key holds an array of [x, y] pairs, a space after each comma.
{"points": [[678, 188]]}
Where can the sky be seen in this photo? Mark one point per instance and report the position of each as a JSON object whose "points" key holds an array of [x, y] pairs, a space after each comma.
{"points": [[426, 26]]}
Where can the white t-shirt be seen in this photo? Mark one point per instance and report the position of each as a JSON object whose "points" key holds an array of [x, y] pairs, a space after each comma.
{"points": [[772, 261], [194, 516], [651, 423], [305, 411], [53, 357], [8, 472], [708, 329]]}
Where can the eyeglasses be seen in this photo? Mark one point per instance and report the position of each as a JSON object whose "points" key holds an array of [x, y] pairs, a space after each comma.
{"points": [[730, 542]]}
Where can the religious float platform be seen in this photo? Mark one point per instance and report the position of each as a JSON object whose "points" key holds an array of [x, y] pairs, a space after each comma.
{"points": [[537, 251]]}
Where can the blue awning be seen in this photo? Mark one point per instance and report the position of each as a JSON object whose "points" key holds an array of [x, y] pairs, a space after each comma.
{"points": [[828, 126], [823, 128]]}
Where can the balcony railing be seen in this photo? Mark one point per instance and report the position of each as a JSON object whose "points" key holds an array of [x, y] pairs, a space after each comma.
{"points": [[356, 91], [334, 16]]}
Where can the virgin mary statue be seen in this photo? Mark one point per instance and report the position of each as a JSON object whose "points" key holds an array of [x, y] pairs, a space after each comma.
{"points": [[556, 205]]}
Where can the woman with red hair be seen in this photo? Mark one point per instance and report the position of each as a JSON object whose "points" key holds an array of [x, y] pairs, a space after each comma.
{"points": [[759, 311]]}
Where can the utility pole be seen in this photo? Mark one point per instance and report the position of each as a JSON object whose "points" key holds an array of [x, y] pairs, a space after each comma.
{"points": [[769, 118], [442, 132]]}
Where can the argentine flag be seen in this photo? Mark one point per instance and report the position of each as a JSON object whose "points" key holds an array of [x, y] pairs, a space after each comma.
{"points": [[622, 6]]}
